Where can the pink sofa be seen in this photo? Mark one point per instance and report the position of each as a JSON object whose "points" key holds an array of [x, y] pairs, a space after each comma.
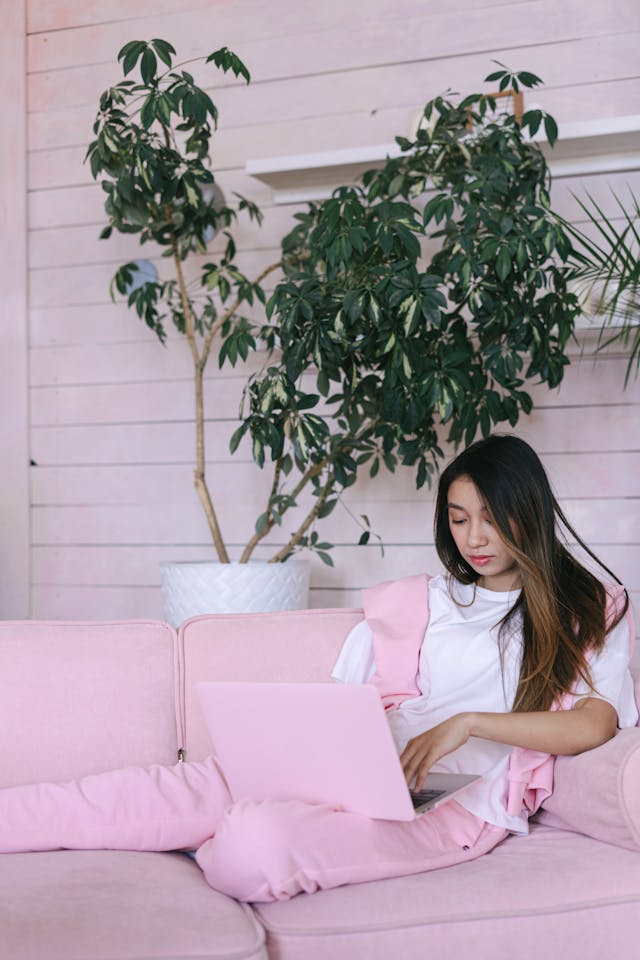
{"points": [[83, 697]]}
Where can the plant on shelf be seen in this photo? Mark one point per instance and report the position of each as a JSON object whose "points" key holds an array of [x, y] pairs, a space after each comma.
{"points": [[426, 295], [605, 265]]}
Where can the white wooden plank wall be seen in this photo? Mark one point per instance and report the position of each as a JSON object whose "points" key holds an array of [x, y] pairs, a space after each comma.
{"points": [[111, 435]]}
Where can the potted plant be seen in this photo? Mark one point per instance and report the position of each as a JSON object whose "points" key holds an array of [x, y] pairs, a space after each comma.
{"points": [[396, 343], [151, 153]]}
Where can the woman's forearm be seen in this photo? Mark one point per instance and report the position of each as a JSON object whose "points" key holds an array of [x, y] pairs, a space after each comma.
{"points": [[590, 723]]}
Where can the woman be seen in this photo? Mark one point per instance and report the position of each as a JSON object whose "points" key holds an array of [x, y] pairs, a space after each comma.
{"points": [[516, 655]]}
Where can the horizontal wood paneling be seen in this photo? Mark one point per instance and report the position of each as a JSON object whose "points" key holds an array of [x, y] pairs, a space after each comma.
{"points": [[95, 603], [81, 205], [89, 284], [172, 441], [73, 245], [279, 38], [397, 522], [140, 400], [80, 244], [47, 15], [573, 475], [92, 603], [105, 566], [56, 14], [358, 92]]}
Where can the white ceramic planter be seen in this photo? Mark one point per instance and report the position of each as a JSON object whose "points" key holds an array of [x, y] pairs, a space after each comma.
{"points": [[191, 589]]}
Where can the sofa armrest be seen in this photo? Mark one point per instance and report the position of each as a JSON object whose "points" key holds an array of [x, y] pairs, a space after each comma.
{"points": [[598, 792]]}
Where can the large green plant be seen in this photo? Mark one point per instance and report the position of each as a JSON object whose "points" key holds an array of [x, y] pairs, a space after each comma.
{"points": [[372, 343], [400, 342]]}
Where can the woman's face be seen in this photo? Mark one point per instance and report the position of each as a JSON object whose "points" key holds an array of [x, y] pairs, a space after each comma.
{"points": [[477, 538]]}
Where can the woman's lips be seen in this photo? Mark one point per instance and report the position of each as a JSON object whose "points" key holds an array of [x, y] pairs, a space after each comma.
{"points": [[480, 561]]}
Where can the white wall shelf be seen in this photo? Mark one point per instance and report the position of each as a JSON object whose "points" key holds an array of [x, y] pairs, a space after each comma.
{"points": [[599, 146]]}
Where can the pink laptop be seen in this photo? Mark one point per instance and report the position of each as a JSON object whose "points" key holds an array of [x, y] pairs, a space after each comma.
{"points": [[318, 742]]}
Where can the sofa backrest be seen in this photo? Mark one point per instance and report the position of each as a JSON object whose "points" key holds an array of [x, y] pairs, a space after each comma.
{"points": [[79, 698], [297, 645]]}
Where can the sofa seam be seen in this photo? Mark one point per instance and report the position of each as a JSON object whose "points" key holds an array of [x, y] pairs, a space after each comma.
{"points": [[515, 915]]}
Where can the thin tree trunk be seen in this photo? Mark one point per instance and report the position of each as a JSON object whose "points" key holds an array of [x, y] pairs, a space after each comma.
{"points": [[200, 475]]}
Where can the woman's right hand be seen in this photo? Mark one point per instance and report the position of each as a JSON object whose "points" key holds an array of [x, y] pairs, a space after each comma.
{"points": [[426, 749]]}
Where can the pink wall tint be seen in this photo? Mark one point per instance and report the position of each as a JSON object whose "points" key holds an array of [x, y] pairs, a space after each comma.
{"points": [[110, 409], [14, 475]]}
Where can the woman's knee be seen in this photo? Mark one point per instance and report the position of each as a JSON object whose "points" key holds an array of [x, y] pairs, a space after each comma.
{"points": [[252, 853]]}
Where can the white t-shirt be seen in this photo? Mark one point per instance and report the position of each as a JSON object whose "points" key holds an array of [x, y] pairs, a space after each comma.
{"points": [[460, 669]]}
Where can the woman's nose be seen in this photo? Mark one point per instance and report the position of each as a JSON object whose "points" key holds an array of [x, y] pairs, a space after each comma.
{"points": [[477, 535]]}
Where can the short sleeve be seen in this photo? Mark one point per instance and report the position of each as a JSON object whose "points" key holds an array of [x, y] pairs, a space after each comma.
{"points": [[611, 676], [355, 663]]}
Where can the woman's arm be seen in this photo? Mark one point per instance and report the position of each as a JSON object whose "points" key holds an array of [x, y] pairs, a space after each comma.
{"points": [[590, 723]]}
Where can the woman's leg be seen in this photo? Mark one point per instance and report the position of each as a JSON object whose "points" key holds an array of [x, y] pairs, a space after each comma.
{"points": [[136, 808], [272, 851]]}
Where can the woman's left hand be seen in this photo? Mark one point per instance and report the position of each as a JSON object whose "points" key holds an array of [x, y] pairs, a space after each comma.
{"points": [[423, 751]]}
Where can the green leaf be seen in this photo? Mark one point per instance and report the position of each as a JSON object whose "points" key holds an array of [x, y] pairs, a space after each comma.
{"points": [[528, 79], [164, 50], [258, 451], [148, 112], [148, 65], [497, 75], [323, 383], [225, 60], [532, 120], [325, 557], [129, 54], [364, 538], [551, 129], [237, 436], [503, 263]]}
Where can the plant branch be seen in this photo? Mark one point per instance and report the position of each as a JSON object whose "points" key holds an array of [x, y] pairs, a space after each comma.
{"points": [[206, 347], [200, 481], [189, 327], [313, 471], [270, 519], [306, 523]]}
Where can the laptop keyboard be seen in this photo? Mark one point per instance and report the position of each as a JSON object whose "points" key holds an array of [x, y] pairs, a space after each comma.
{"points": [[418, 797]]}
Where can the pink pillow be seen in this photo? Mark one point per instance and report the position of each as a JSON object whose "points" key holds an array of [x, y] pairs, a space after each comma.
{"points": [[598, 792]]}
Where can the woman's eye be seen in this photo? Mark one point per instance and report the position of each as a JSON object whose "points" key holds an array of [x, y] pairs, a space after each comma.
{"points": [[457, 521]]}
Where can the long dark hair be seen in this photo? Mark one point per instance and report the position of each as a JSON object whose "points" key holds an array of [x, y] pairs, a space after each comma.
{"points": [[564, 606]]}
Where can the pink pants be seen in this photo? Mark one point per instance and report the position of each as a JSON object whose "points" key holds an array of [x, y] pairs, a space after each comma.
{"points": [[251, 851]]}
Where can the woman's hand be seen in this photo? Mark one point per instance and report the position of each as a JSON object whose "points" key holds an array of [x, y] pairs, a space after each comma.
{"points": [[422, 752]]}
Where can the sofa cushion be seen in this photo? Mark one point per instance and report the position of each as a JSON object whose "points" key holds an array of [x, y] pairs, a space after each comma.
{"points": [[552, 893], [598, 792], [302, 645], [77, 905], [80, 698]]}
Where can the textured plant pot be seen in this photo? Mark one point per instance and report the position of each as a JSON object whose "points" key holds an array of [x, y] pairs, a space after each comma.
{"points": [[191, 589]]}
